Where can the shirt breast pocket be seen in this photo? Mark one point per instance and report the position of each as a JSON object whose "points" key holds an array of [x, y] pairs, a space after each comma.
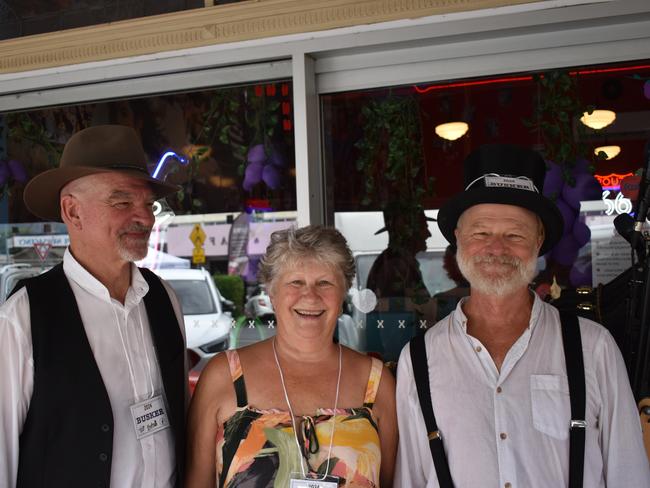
{"points": [[551, 405]]}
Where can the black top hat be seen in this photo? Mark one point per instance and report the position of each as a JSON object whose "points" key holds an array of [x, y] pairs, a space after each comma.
{"points": [[396, 208], [505, 174]]}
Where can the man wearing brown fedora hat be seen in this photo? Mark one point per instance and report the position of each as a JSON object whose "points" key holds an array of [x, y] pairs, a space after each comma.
{"points": [[92, 352], [506, 391]]}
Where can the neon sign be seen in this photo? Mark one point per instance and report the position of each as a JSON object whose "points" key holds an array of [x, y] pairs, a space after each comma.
{"points": [[612, 181], [620, 204], [163, 160], [510, 79]]}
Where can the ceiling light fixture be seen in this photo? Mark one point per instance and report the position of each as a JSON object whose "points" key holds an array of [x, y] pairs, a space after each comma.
{"points": [[452, 130], [611, 151], [598, 119]]}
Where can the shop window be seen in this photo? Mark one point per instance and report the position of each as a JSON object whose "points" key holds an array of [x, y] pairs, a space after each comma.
{"points": [[231, 150], [389, 164]]}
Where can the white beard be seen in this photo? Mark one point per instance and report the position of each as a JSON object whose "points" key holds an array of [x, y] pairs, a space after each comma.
{"points": [[132, 251], [515, 276]]}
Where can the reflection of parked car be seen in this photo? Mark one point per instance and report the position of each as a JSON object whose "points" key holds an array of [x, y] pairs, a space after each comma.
{"points": [[259, 304], [207, 326], [355, 326]]}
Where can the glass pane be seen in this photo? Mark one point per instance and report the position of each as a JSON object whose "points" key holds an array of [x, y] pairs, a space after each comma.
{"points": [[231, 150], [390, 165], [195, 296]]}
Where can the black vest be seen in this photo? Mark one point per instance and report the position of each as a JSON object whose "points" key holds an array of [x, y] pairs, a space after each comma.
{"points": [[67, 438]]}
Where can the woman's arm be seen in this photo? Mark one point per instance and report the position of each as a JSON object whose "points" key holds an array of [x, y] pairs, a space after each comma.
{"points": [[384, 410], [212, 391]]}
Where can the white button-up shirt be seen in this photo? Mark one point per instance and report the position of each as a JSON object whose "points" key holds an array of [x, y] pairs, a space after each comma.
{"points": [[510, 428], [121, 342]]}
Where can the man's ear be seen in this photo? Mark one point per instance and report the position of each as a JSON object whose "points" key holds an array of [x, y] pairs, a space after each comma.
{"points": [[70, 211]]}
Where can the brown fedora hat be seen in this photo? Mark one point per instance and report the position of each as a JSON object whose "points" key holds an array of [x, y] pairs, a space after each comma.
{"points": [[98, 149]]}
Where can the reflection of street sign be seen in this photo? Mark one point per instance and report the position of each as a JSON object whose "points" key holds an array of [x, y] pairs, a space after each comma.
{"points": [[197, 236], [198, 255], [55, 240], [42, 249], [238, 245]]}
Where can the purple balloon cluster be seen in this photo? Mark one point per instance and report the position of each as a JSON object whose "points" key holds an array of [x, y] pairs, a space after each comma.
{"points": [[262, 168], [567, 198], [12, 170]]}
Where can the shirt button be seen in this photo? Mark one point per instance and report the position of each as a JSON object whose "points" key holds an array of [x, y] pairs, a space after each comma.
{"points": [[105, 428], [479, 348], [499, 390], [503, 435], [103, 457]]}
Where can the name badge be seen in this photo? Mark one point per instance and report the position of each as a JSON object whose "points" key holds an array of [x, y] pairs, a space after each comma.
{"points": [[149, 417], [518, 183], [299, 481]]}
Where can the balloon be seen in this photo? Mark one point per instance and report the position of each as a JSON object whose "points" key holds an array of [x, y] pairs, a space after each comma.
{"points": [[568, 215], [17, 171], [578, 277], [276, 159], [4, 172], [586, 188], [256, 154], [565, 251], [252, 176], [581, 233], [553, 181], [271, 176], [247, 185], [581, 167]]}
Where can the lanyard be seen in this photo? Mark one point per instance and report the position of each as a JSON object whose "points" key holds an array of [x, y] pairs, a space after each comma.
{"points": [[293, 418], [127, 355]]}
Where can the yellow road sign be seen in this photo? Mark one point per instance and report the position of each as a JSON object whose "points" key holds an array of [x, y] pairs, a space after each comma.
{"points": [[197, 236], [198, 255]]}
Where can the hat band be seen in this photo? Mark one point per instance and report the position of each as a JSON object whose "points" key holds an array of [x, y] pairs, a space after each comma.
{"points": [[495, 180], [129, 167]]}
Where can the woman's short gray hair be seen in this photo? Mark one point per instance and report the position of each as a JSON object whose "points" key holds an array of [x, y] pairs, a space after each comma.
{"points": [[324, 244]]}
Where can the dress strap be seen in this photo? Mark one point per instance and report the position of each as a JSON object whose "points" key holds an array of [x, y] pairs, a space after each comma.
{"points": [[373, 382], [237, 376]]}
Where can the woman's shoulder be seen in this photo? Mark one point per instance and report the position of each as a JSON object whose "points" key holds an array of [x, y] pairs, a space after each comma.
{"points": [[217, 372], [359, 361], [250, 355]]}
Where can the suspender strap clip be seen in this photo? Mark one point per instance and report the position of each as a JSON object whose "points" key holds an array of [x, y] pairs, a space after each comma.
{"points": [[435, 435], [578, 424]]}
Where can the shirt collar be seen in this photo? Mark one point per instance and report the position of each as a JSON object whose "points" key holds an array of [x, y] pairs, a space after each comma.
{"points": [[460, 319], [77, 273]]}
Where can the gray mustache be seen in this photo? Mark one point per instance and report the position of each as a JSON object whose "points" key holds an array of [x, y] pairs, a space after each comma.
{"points": [[135, 228], [491, 259]]}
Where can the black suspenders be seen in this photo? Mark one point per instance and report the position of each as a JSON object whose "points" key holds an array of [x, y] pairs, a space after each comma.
{"points": [[577, 392], [421, 374], [575, 370]]}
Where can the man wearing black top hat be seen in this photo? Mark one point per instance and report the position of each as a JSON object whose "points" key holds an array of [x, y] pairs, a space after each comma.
{"points": [[92, 352], [501, 369], [396, 279]]}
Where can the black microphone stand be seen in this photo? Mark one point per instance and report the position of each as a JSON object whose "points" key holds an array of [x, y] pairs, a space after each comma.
{"points": [[641, 373]]}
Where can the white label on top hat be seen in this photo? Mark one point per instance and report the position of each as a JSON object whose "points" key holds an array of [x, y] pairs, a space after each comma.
{"points": [[518, 183]]}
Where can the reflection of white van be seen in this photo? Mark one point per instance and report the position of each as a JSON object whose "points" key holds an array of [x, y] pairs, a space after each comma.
{"points": [[207, 326], [11, 274]]}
